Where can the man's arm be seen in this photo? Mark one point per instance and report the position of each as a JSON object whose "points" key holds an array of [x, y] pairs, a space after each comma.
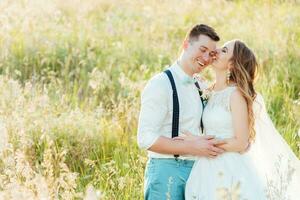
{"points": [[195, 145], [154, 109]]}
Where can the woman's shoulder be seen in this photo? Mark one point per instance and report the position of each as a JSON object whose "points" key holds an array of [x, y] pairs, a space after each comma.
{"points": [[236, 98]]}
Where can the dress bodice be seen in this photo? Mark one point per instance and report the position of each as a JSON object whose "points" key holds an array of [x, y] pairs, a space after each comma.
{"points": [[217, 118]]}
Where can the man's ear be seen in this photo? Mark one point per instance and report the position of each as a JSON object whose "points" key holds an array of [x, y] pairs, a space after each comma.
{"points": [[185, 44]]}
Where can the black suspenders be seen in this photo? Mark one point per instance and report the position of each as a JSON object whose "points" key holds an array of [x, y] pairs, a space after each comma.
{"points": [[175, 118]]}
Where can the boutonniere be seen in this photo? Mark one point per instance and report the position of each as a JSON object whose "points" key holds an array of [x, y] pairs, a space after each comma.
{"points": [[206, 94], [204, 89]]}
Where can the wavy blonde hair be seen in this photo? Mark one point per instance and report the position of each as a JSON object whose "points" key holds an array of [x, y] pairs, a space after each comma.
{"points": [[243, 73]]}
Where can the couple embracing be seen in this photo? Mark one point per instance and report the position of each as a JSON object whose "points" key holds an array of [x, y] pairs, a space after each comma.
{"points": [[214, 142]]}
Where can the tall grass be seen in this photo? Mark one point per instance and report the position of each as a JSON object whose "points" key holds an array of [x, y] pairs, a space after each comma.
{"points": [[72, 72]]}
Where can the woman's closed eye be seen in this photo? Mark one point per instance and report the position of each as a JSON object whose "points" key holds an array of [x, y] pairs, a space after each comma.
{"points": [[224, 49]]}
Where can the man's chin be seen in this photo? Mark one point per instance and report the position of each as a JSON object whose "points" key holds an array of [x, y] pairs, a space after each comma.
{"points": [[201, 68]]}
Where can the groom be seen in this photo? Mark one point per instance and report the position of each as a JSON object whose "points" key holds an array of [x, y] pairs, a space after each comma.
{"points": [[170, 104]]}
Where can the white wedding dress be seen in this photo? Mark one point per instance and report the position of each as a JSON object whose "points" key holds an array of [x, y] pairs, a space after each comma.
{"points": [[252, 175]]}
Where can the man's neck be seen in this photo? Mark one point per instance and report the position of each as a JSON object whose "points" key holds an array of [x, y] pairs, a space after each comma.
{"points": [[185, 68]]}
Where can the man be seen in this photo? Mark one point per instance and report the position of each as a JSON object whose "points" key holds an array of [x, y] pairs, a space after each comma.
{"points": [[166, 174]]}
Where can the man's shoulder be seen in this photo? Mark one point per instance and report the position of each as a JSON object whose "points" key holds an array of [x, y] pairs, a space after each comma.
{"points": [[159, 79], [158, 84]]}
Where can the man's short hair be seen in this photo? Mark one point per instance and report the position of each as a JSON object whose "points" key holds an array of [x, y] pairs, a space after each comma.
{"points": [[202, 29]]}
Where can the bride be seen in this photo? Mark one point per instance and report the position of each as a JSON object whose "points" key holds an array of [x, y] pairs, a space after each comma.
{"points": [[236, 113]]}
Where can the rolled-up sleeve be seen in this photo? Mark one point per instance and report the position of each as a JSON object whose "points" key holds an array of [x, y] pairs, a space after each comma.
{"points": [[154, 108]]}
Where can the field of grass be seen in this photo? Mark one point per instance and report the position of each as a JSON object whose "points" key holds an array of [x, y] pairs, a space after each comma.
{"points": [[71, 73]]}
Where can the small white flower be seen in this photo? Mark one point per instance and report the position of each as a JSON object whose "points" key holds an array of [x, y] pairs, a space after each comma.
{"points": [[206, 94]]}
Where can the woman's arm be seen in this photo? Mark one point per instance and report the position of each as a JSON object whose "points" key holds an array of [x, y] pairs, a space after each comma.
{"points": [[239, 112]]}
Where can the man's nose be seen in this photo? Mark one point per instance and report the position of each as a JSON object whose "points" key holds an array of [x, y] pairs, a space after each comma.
{"points": [[217, 53], [206, 57]]}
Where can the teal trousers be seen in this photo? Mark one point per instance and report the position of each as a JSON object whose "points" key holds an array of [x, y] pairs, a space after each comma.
{"points": [[165, 178]]}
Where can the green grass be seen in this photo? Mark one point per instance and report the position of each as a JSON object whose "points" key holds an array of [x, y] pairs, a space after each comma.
{"points": [[72, 73]]}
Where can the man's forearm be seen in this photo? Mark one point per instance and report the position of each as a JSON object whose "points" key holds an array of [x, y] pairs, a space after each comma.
{"points": [[166, 145]]}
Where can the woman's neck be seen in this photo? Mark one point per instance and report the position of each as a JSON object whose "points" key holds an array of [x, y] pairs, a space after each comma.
{"points": [[221, 81]]}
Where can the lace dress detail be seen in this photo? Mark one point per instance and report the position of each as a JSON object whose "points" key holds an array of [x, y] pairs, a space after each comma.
{"points": [[221, 98], [217, 118]]}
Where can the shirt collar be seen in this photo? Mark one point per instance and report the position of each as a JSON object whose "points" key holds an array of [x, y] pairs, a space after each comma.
{"points": [[183, 77]]}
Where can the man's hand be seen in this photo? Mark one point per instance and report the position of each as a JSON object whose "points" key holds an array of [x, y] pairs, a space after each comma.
{"points": [[201, 145]]}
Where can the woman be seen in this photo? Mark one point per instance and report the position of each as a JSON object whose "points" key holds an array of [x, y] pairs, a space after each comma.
{"points": [[236, 113]]}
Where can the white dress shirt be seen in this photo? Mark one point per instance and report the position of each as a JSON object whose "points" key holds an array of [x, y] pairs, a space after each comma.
{"points": [[156, 112]]}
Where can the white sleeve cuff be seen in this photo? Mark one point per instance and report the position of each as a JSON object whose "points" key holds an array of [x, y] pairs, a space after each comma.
{"points": [[147, 140]]}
